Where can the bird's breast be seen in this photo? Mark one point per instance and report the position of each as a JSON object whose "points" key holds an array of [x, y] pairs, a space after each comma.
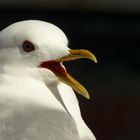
{"points": [[28, 110]]}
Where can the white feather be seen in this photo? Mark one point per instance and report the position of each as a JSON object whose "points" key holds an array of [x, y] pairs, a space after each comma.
{"points": [[34, 104]]}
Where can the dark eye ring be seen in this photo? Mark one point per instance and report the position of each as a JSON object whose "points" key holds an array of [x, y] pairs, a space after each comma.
{"points": [[28, 46]]}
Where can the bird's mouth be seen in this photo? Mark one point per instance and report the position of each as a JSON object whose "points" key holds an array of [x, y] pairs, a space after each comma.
{"points": [[57, 67]]}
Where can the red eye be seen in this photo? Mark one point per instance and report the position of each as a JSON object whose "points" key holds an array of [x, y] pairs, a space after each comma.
{"points": [[28, 46]]}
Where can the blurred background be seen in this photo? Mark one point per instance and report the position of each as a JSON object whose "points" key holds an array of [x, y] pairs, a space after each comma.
{"points": [[111, 30]]}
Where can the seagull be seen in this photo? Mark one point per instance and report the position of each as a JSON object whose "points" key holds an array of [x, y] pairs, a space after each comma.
{"points": [[37, 101]]}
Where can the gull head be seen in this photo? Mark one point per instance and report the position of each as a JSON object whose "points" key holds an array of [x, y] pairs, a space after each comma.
{"points": [[42, 45]]}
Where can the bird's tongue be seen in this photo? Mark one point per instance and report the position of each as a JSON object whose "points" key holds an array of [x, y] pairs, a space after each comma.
{"points": [[57, 67], [63, 75]]}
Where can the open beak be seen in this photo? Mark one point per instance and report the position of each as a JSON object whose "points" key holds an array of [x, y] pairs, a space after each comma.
{"points": [[57, 67]]}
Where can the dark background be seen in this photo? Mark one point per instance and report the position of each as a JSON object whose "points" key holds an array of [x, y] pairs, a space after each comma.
{"points": [[112, 32]]}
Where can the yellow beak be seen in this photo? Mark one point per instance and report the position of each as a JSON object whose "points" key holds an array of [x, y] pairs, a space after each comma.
{"points": [[63, 75], [78, 54]]}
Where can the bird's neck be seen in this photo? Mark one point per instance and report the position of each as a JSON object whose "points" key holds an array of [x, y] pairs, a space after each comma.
{"points": [[15, 70], [21, 71], [62, 95]]}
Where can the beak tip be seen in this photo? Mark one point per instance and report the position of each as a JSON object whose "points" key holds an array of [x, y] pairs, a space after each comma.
{"points": [[94, 59], [86, 96]]}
